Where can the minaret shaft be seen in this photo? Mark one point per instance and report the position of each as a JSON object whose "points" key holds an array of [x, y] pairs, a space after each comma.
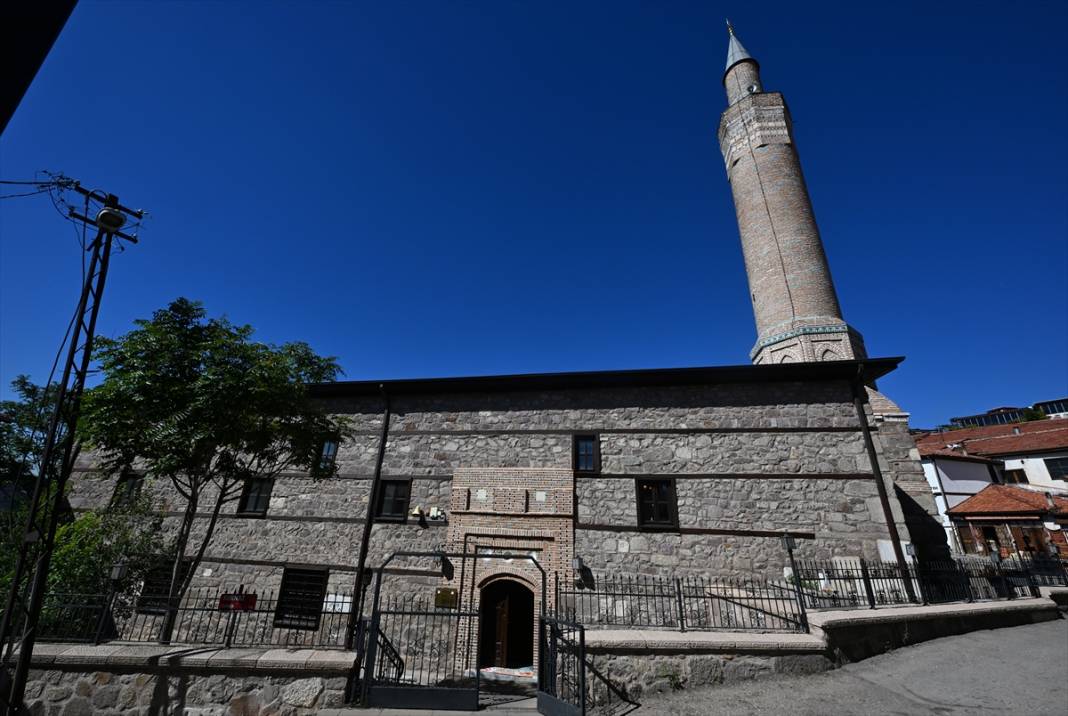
{"points": [[798, 317]]}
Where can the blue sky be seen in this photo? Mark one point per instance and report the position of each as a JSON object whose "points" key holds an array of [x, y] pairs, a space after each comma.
{"points": [[446, 188]]}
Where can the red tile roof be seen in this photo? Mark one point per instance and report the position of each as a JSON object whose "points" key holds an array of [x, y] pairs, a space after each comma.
{"points": [[1008, 500], [1037, 436]]}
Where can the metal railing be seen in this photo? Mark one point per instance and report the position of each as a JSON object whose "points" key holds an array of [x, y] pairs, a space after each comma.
{"points": [[203, 616], [683, 603], [848, 583]]}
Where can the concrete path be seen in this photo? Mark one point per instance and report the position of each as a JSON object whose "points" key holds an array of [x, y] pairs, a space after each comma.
{"points": [[1020, 670]]}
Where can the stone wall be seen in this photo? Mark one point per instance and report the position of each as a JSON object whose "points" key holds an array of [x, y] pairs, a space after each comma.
{"points": [[115, 692], [751, 459]]}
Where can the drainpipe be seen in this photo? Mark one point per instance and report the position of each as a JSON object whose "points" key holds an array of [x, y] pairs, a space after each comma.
{"points": [[859, 398], [360, 587]]}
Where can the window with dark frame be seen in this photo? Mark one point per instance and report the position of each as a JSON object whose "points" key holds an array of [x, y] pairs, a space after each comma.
{"points": [[1015, 477], [393, 498], [255, 496], [1058, 467], [300, 598], [157, 585], [127, 489], [587, 453], [657, 503], [327, 456]]}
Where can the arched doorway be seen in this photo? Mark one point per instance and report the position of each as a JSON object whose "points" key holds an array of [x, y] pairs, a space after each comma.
{"points": [[506, 615]]}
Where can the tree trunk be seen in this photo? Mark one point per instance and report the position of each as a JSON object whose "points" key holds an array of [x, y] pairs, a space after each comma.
{"points": [[175, 591], [208, 532]]}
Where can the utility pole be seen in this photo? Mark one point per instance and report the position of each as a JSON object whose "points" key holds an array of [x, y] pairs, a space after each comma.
{"points": [[22, 610]]}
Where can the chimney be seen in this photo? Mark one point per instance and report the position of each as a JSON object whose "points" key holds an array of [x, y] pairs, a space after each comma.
{"points": [[1050, 504], [1016, 430]]}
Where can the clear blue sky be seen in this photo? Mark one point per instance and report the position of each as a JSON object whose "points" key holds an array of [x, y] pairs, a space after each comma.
{"points": [[445, 188]]}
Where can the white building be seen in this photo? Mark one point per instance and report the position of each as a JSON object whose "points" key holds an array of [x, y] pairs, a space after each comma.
{"points": [[960, 463]]}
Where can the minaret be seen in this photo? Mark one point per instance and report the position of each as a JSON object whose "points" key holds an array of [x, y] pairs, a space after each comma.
{"points": [[794, 302]]}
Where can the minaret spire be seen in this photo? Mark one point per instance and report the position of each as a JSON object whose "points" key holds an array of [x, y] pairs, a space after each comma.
{"points": [[736, 52]]}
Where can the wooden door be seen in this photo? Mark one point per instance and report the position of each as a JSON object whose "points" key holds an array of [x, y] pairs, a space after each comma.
{"points": [[500, 650]]}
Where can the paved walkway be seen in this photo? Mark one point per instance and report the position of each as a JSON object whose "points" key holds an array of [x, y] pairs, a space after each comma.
{"points": [[1020, 670]]}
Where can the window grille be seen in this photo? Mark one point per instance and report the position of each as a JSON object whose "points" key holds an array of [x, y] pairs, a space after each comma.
{"points": [[300, 598]]}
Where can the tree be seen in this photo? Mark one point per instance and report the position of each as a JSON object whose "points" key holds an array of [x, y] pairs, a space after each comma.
{"points": [[196, 401], [23, 428]]}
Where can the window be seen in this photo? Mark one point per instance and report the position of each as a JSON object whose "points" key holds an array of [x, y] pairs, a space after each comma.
{"points": [[587, 453], [127, 489], [327, 457], [300, 598], [1015, 477], [157, 585], [657, 503], [1058, 467], [393, 496], [255, 496]]}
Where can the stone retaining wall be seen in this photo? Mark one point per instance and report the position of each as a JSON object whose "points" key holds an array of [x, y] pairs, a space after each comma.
{"points": [[112, 693]]}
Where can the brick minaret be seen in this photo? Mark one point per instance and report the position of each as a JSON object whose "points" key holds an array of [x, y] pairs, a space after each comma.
{"points": [[794, 302]]}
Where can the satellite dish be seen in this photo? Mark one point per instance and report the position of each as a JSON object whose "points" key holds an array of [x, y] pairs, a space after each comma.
{"points": [[752, 89]]}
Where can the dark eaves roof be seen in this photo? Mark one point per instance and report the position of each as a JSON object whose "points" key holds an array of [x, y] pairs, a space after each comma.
{"points": [[872, 369]]}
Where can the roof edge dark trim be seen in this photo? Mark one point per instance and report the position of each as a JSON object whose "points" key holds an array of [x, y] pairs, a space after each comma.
{"points": [[873, 368]]}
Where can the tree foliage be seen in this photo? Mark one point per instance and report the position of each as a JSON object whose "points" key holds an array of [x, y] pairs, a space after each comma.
{"points": [[195, 400], [23, 428]]}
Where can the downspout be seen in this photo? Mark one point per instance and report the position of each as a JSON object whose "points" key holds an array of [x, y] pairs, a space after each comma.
{"points": [[859, 398], [360, 588]]}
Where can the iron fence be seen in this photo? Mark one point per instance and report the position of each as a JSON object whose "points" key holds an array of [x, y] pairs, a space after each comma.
{"points": [[202, 616], [848, 583], [683, 603]]}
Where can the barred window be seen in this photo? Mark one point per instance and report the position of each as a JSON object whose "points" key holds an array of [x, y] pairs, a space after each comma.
{"points": [[157, 584], [1058, 467], [127, 489], [255, 496], [657, 503], [393, 498], [587, 453], [300, 598]]}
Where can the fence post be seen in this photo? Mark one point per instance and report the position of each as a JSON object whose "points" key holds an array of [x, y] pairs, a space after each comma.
{"points": [[799, 593], [866, 577], [966, 576], [1029, 571], [678, 605], [916, 570], [582, 668], [105, 609]]}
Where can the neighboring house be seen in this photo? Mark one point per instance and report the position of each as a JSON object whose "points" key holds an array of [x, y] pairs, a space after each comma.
{"points": [[953, 478], [1012, 520], [1033, 453]]}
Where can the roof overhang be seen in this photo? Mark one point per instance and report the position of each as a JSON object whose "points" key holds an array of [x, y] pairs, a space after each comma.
{"points": [[867, 370]]}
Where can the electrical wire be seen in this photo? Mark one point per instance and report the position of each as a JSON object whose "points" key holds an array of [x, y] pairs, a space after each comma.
{"points": [[29, 193]]}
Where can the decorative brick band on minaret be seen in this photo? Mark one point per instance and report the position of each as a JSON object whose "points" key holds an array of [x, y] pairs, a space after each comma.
{"points": [[794, 301]]}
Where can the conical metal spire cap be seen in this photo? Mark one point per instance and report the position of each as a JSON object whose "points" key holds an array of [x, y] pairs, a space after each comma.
{"points": [[736, 52]]}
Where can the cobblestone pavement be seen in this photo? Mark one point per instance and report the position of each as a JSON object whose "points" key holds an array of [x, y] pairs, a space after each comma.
{"points": [[1022, 671]]}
